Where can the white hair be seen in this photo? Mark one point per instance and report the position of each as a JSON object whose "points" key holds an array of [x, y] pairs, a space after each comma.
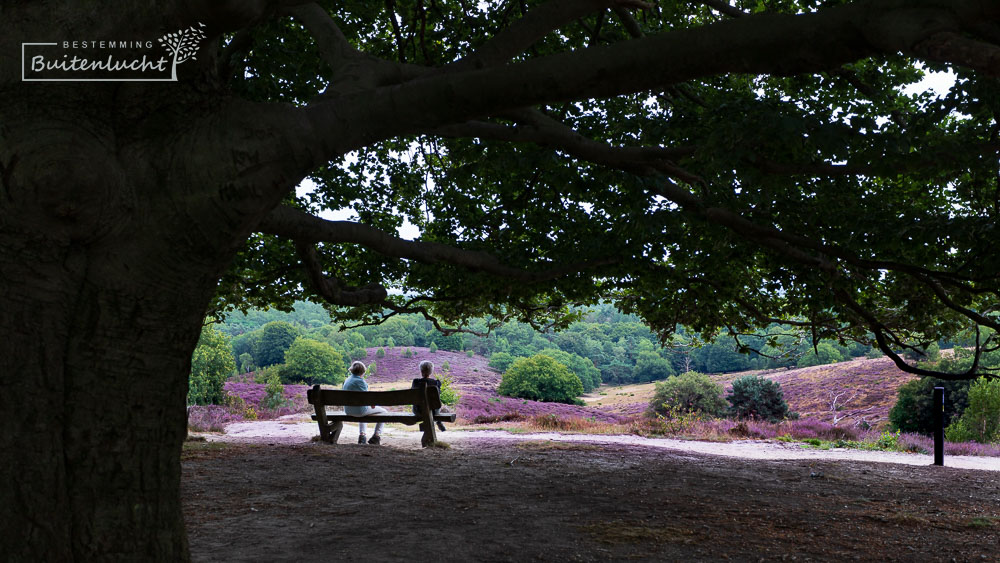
{"points": [[426, 368], [358, 368]]}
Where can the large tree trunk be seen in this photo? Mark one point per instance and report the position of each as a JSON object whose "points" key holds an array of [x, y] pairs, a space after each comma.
{"points": [[107, 265], [94, 386]]}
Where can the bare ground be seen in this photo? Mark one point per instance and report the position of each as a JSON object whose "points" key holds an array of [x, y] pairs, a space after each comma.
{"points": [[524, 498]]}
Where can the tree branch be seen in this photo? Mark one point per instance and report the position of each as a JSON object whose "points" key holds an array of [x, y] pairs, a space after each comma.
{"points": [[303, 227], [525, 32], [332, 288]]}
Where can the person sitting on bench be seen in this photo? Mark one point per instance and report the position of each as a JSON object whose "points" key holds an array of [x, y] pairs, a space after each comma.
{"points": [[356, 382], [425, 379]]}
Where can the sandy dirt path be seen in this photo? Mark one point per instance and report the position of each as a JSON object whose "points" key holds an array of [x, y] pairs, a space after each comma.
{"points": [[295, 429]]}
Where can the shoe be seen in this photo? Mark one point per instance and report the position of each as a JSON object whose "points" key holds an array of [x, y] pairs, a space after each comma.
{"points": [[361, 439], [376, 440], [441, 426]]}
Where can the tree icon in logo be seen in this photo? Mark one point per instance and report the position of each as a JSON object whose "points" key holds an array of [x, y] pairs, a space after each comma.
{"points": [[183, 44]]}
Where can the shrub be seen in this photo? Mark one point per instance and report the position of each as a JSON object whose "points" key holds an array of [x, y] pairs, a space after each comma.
{"points": [[582, 367], [275, 338], [274, 394], [449, 395], [500, 361], [470, 353], [913, 411], [757, 398], [433, 348], [211, 363], [313, 362], [980, 422], [445, 366], [540, 378], [825, 353], [372, 369], [690, 392], [651, 367], [380, 353]]}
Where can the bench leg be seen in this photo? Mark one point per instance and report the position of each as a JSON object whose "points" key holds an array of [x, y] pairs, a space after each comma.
{"points": [[335, 429], [430, 436]]}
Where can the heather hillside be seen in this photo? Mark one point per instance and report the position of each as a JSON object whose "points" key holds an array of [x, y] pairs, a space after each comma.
{"points": [[844, 393]]}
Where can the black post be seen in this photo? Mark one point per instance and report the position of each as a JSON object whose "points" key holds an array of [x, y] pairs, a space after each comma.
{"points": [[938, 406]]}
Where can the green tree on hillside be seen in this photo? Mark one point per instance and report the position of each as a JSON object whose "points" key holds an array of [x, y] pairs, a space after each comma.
{"points": [[825, 353], [500, 361], [211, 363], [589, 376], [980, 421], [275, 338], [540, 378], [689, 392], [755, 397], [313, 362], [649, 366]]}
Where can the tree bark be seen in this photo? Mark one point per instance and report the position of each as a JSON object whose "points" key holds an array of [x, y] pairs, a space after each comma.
{"points": [[106, 268]]}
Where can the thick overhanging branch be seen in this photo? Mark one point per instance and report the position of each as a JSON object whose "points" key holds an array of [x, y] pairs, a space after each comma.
{"points": [[527, 31], [881, 332], [303, 227], [333, 289]]}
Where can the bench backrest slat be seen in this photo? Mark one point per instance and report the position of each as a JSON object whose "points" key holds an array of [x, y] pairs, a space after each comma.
{"points": [[363, 398]]}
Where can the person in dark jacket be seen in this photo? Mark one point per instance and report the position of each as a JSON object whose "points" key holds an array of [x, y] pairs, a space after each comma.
{"points": [[425, 379]]}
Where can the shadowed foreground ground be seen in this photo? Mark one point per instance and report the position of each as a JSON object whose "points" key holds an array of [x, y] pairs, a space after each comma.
{"points": [[502, 501]]}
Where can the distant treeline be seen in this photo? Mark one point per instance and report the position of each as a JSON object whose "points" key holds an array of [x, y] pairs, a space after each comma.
{"points": [[620, 346]]}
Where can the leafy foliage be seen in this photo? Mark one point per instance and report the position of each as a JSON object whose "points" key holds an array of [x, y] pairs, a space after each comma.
{"points": [[914, 408], [589, 376], [211, 363], [540, 378], [980, 421], [313, 362], [274, 397], [501, 361], [449, 395], [275, 338], [689, 392], [649, 366], [755, 397], [824, 354]]}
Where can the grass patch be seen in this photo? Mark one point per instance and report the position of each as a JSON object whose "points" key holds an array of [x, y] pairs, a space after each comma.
{"points": [[631, 533], [982, 522], [551, 445]]}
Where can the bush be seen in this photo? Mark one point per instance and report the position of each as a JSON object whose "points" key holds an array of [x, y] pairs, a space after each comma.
{"points": [[211, 363], [914, 409], [980, 422], [500, 361], [313, 362], [651, 367], [583, 368], [449, 396], [690, 392], [540, 378], [275, 338], [470, 353], [274, 394], [380, 353], [824, 354], [433, 348], [757, 398]]}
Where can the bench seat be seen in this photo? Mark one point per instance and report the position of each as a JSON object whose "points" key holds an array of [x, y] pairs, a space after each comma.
{"points": [[331, 424]]}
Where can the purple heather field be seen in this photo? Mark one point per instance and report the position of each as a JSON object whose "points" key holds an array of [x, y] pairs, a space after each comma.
{"points": [[863, 389]]}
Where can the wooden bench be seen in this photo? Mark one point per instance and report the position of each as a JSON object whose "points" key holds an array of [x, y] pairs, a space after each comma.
{"points": [[332, 423]]}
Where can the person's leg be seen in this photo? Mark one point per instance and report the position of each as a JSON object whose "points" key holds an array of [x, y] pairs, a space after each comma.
{"points": [[361, 433], [377, 436], [440, 424]]}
